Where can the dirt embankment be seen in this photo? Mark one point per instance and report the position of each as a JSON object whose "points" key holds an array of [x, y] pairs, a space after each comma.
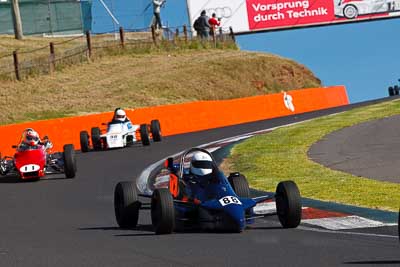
{"points": [[132, 81]]}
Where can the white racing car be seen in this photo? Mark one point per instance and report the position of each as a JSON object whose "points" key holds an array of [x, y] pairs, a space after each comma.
{"points": [[351, 9], [120, 134]]}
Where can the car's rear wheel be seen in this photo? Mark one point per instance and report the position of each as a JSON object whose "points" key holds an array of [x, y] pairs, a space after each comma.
{"points": [[69, 161], [84, 140], [155, 129], [239, 184], [144, 134], [162, 211], [129, 140], [126, 204], [288, 204], [350, 12]]}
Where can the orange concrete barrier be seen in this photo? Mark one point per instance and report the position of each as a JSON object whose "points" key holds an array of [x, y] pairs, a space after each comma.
{"points": [[183, 118]]}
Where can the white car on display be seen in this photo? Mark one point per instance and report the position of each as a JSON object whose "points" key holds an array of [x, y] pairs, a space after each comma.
{"points": [[120, 134], [351, 9]]}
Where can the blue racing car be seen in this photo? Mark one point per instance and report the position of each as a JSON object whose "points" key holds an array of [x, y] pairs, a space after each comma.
{"points": [[200, 196]]}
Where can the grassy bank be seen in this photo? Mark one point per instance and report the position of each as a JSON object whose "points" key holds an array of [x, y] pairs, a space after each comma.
{"points": [[132, 80], [282, 155]]}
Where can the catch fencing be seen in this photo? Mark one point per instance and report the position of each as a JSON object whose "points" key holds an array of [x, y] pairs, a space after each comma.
{"points": [[50, 17]]}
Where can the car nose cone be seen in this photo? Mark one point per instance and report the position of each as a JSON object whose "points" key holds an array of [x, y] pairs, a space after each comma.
{"points": [[235, 217]]}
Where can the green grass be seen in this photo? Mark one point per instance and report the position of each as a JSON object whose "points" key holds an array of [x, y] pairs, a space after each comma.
{"points": [[134, 80], [282, 155]]}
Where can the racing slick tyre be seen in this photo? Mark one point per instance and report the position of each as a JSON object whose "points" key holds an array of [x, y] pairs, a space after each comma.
{"points": [[126, 204], [84, 139], [155, 129], [96, 139], [144, 134], [162, 211], [350, 12], [239, 184], [288, 204], [69, 161]]}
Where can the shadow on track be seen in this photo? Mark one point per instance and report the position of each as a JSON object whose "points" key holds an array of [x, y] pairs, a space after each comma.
{"points": [[17, 180], [11, 180], [139, 228], [373, 262]]}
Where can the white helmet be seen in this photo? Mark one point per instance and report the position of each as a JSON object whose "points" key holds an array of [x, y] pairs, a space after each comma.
{"points": [[201, 164], [120, 115], [30, 137]]}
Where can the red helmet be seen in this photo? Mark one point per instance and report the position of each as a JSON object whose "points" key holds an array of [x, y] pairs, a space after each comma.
{"points": [[30, 137]]}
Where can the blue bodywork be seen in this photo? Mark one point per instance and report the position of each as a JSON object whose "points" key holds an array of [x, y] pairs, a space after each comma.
{"points": [[210, 202]]}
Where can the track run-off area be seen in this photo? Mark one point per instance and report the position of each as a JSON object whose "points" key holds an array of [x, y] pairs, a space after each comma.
{"points": [[71, 222]]}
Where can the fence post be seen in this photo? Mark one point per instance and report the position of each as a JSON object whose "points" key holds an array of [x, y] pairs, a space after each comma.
{"points": [[153, 34], [185, 33], [122, 37], [89, 44], [52, 57], [232, 34], [16, 65], [177, 34]]}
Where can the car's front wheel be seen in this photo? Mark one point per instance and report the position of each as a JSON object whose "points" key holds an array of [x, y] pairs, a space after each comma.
{"points": [[69, 161], [155, 128], [126, 204], [96, 138], [162, 211], [288, 204], [144, 134], [84, 140]]}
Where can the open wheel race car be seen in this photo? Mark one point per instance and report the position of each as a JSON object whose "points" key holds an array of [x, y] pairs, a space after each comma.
{"points": [[220, 203], [35, 162], [120, 134]]}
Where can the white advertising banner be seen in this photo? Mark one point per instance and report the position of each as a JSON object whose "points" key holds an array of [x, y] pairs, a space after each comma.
{"points": [[233, 13], [263, 15]]}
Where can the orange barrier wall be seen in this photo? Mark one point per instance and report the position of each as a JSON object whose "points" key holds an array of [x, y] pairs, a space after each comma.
{"points": [[183, 118]]}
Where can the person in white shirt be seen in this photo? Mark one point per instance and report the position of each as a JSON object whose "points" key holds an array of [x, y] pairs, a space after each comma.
{"points": [[157, 9]]}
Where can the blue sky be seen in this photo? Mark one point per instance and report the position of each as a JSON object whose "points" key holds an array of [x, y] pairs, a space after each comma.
{"points": [[361, 56]]}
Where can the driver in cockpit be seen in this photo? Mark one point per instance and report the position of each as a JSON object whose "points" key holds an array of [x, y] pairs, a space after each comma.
{"points": [[200, 174]]}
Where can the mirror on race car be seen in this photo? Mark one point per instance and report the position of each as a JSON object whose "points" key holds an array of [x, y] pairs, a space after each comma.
{"points": [[103, 123], [169, 163], [14, 146]]}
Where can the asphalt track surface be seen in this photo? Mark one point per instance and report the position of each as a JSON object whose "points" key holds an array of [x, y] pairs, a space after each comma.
{"points": [[369, 149], [70, 222]]}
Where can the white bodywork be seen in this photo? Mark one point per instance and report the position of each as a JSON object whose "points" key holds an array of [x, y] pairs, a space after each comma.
{"points": [[117, 134], [353, 8]]}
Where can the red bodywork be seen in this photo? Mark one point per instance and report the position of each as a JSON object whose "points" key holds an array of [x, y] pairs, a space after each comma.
{"points": [[30, 163]]}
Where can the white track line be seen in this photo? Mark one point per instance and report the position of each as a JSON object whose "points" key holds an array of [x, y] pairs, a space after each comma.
{"points": [[305, 228], [141, 181], [345, 223], [332, 224]]}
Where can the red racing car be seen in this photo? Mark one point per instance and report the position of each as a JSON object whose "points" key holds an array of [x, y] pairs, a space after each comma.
{"points": [[34, 162]]}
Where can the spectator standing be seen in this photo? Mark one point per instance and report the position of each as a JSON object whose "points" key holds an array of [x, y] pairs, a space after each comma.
{"points": [[202, 26], [214, 23], [157, 9]]}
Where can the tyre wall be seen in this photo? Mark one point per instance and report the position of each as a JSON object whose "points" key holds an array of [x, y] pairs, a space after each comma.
{"points": [[184, 118]]}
